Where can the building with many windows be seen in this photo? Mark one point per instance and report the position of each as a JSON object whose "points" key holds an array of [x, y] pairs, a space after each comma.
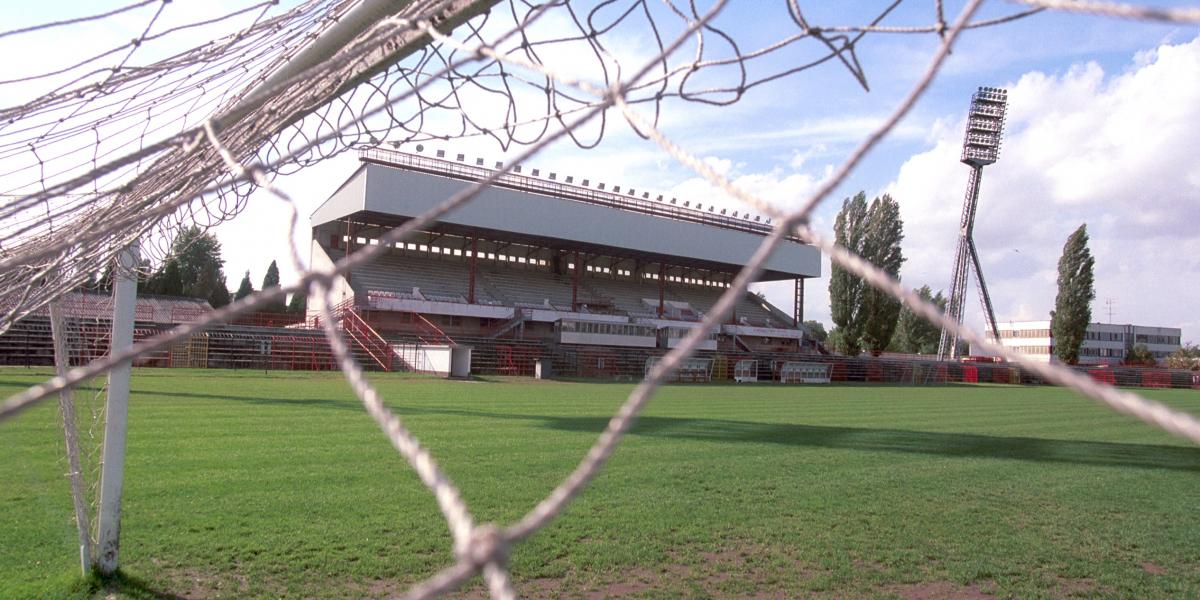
{"points": [[1103, 343]]}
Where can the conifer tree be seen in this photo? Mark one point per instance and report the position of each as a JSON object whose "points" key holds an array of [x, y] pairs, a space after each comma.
{"points": [[271, 280], [219, 296], [298, 304], [245, 289]]}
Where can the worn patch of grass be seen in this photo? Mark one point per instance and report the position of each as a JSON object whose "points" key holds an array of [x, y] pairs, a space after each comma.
{"points": [[253, 484]]}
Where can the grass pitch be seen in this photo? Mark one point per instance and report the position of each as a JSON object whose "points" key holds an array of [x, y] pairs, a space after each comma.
{"points": [[252, 484]]}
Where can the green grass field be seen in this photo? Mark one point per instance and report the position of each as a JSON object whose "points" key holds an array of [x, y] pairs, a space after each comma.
{"points": [[245, 484]]}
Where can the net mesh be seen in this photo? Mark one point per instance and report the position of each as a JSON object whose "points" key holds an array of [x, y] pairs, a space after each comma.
{"points": [[80, 327], [131, 143]]}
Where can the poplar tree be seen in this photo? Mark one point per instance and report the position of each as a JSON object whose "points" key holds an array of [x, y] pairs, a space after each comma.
{"points": [[845, 289], [864, 316], [880, 310], [1073, 305]]}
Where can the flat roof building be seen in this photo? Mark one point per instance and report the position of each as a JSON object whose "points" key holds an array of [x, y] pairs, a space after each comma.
{"points": [[1103, 343]]}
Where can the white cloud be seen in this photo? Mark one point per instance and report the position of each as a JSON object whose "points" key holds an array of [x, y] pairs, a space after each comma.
{"points": [[1116, 151]]}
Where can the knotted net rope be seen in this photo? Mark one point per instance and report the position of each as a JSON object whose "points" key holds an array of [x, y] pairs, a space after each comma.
{"points": [[135, 142]]}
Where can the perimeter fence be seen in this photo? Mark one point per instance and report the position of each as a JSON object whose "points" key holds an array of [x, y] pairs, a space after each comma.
{"points": [[30, 343]]}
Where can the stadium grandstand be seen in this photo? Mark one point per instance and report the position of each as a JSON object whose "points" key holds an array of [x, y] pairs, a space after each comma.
{"points": [[598, 277]]}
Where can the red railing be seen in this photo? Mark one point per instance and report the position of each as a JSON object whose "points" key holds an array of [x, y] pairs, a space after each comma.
{"points": [[439, 336], [369, 340], [267, 319]]}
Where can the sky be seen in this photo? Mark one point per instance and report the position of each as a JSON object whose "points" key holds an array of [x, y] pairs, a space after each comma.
{"points": [[1103, 129]]}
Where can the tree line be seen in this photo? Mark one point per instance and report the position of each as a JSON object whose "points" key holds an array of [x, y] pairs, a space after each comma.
{"points": [[866, 319], [194, 269]]}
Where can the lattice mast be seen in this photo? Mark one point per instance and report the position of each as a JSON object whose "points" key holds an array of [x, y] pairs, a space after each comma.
{"points": [[981, 146]]}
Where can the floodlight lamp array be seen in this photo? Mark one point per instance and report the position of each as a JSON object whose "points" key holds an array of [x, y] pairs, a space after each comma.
{"points": [[985, 126]]}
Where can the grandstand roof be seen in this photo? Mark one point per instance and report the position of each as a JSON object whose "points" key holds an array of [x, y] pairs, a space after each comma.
{"points": [[391, 187]]}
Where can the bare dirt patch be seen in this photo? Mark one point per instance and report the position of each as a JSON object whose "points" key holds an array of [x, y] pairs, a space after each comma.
{"points": [[197, 585], [636, 580], [1153, 569], [938, 590], [868, 566], [1066, 587]]}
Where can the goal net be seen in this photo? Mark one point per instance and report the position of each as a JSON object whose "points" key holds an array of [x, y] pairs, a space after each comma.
{"points": [[195, 117]]}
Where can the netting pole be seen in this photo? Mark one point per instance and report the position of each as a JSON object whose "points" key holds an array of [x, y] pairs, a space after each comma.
{"points": [[66, 406], [112, 471]]}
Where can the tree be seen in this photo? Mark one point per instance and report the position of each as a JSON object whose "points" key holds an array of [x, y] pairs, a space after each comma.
{"points": [[298, 304], [863, 315], [271, 280], [816, 329], [845, 290], [245, 289], [880, 310], [105, 283], [193, 269], [1140, 355], [914, 334], [1073, 305], [168, 281], [220, 295], [1186, 357], [143, 273], [836, 339]]}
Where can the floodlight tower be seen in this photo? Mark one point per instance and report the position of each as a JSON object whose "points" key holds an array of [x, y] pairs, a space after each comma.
{"points": [[981, 146]]}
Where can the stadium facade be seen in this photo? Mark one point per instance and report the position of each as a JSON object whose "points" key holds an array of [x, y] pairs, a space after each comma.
{"points": [[550, 260], [1103, 343]]}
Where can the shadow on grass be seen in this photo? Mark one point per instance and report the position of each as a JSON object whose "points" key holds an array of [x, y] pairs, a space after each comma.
{"points": [[344, 404], [124, 585], [967, 445]]}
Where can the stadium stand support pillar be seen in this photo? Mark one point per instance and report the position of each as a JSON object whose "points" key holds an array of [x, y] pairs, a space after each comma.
{"points": [[349, 244], [112, 471], [662, 289], [798, 303], [575, 284], [471, 271]]}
